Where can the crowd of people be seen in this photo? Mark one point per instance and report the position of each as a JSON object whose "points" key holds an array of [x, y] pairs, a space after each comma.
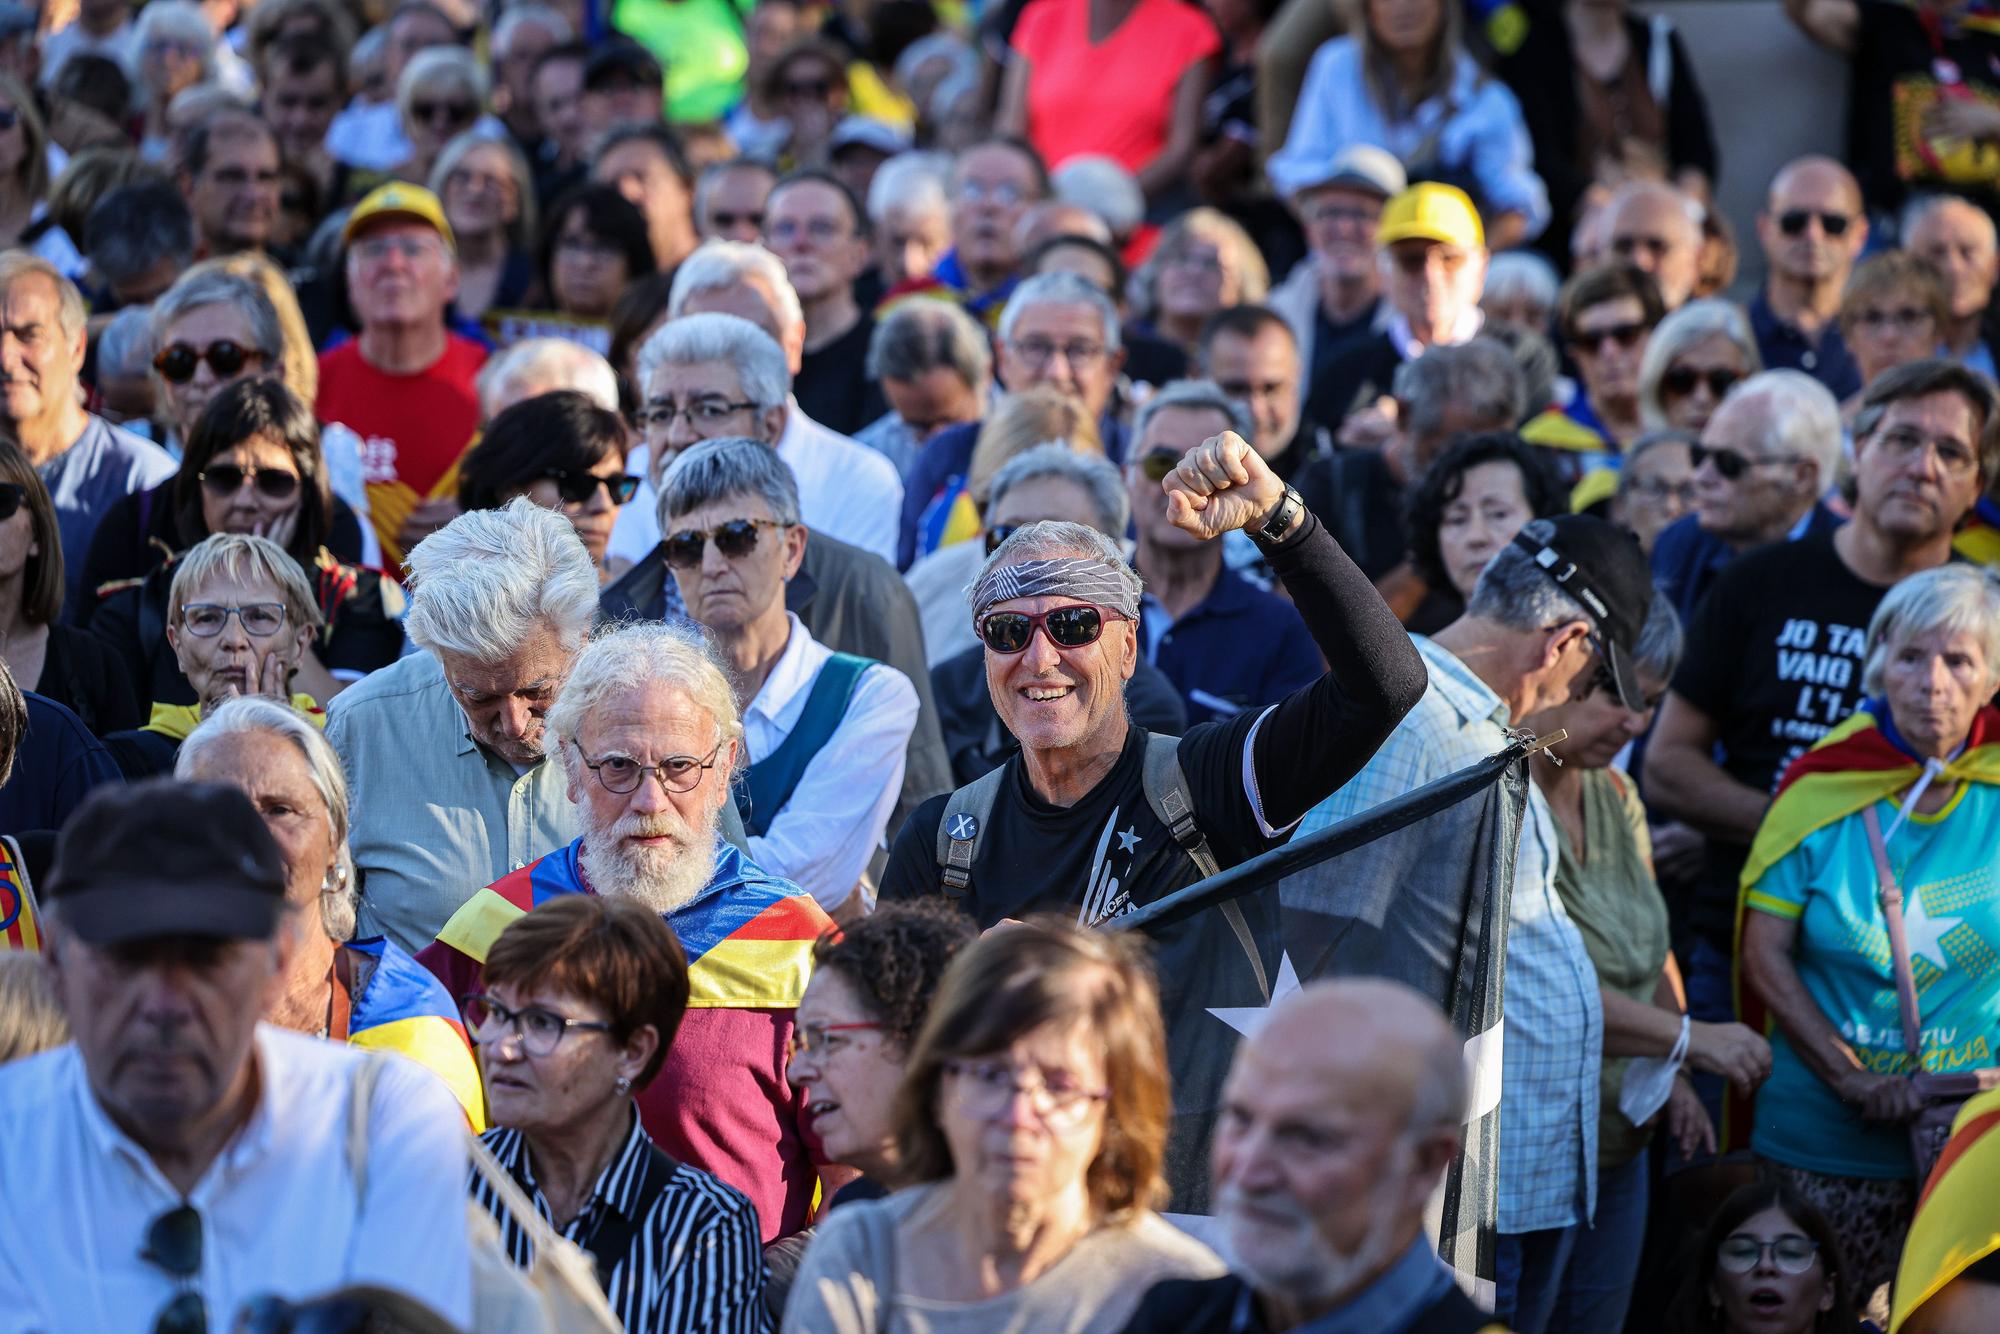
{"points": [[605, 607]]}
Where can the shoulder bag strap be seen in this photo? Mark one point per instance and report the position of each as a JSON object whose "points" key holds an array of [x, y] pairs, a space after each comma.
{"points": [[1899, 947], [1166, 788], [360, 1105], [966, 815], [612, 1238]]}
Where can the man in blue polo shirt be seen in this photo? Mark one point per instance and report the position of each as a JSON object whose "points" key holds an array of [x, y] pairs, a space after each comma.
{"points": [[1225, 644]]}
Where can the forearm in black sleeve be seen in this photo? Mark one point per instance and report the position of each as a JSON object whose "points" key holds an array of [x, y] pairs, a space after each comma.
{"points": [[1317, 738]]}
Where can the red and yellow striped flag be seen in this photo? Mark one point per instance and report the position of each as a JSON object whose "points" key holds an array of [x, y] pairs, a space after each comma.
{"points": [[19, 927]]}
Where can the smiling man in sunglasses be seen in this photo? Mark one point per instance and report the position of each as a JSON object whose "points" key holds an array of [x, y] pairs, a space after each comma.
{"points": [[182, 1157], [1812, 229]]}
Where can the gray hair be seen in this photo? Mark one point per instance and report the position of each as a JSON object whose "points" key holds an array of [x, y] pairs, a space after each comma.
{"points": [[1645, 445], [484, 581], [1801, 416], [1103, 186], [926, 334], [516, 17], [641, 654], [461, 146], [250, 714], [920, 182], [1660, 641], [690, 340], [1481, 376], [716, 470], [1515, 592], [243, 557], [179, 20], [71, 313], [1522, 275], [1092, 474], [1924, 207], [1957, 599], [1051, 537], [718, 265], [1192, 396], [437, 64], [935, 46], [218, 287], [1059, 289], [539, 365], [126, 345], [1696, 322]]}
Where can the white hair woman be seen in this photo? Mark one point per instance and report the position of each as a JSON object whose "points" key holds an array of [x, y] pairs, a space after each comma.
{"points": [[1910, 781], [1694, 358], [488, 195], [441, 94], [367, 992]]}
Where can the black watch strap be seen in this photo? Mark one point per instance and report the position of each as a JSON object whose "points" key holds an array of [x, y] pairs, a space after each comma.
{"points": [[1284, 519]]}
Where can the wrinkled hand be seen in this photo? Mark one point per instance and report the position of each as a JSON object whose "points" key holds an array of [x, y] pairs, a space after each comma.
{"points": [[1372, 427], [1733, 1051], [1962, 118], [1887, 1099], [1220, 485], [269, 675], [425, 519], [1687, 1121]]}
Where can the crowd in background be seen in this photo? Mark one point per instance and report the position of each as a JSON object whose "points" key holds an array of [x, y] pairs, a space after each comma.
{"points": [[674, 562]]}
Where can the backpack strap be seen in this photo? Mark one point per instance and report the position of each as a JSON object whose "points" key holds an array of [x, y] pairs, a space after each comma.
{"points": [[770, 781], [966, 815], [1166, 789]]}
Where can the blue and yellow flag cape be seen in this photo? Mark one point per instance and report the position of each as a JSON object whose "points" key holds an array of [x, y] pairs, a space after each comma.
{"points": [[403, 1009]]}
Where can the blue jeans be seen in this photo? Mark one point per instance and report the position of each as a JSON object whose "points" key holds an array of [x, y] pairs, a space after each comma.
{"points": [[1604, 1263], [1529, 1268]]}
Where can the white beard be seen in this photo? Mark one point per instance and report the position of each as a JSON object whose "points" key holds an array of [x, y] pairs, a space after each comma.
{"points": [[1306, 1266], [664, 879]]}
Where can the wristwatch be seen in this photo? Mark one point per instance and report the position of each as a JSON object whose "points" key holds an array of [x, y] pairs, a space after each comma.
{"points": [[1282, 521]]}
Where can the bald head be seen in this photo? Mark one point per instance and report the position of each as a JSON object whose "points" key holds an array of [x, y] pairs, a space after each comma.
{"points": [[1812, 227], [1957, 238], [1339, 1118], [1657, 228], [1052, 217]]}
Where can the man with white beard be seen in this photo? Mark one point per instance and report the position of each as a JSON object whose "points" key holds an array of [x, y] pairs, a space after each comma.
{"points": [[647, 732], [1339, 1118]]}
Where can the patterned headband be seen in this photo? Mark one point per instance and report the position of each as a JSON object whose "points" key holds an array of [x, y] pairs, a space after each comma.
{"points": [[1081, 578]]}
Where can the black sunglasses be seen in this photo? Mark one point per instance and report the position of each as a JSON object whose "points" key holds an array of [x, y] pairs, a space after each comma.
{"points": [[735, 540], [576, 488], [452, 113], [225, 479], [1728, 462], [1794, 221], [1680, 381], [12, 496], [173, 1245], [176, 361], [1593, 340], [1078, 625]]}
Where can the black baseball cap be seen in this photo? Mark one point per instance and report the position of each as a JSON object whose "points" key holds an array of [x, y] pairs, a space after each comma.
{"points": [[1600, 565], [623, 62], [167, 858]]}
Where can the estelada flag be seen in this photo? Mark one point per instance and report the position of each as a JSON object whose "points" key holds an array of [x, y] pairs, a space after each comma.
{"points": [[20, 925], [1956, 1225], [1852, 767]]}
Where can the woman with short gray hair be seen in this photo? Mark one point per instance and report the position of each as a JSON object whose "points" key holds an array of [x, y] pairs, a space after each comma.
{"points": [[365, 992], [1694, 357], [441, 94], [1904, 795]]}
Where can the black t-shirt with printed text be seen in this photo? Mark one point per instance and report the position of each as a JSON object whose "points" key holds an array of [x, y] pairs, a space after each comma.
{"points": [[1774, 657]]}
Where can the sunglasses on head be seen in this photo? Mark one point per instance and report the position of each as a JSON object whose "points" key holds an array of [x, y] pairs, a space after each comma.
{"points": [[12, 496], [173, 1245], [1680, 381], [1593, 340], [1794, 221], [1078, 625], [576, 488], [226, 479], [735, 540], [176, 361]]}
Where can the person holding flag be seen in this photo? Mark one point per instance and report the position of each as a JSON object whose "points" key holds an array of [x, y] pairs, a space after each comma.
{"points": [[1910, 784]]}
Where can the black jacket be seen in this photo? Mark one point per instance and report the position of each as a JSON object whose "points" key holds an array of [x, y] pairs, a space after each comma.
{"points": [[1208, 1306]]}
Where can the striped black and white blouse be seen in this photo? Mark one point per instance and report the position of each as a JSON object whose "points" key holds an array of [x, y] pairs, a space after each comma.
{"points": [[693, 1260]]}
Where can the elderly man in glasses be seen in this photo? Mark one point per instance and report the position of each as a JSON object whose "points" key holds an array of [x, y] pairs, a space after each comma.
{"points": [[181, 1157], [648, 736], [1094, 817]]}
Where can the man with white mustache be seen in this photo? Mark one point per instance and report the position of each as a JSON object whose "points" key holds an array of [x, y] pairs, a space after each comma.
{"points": [[647, 732], [1339, 1118]]}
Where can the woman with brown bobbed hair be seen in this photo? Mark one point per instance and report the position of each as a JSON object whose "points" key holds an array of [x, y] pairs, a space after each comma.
{"points": [[582, 998], [1030, 1128], [60, 661], [1893, 312]]}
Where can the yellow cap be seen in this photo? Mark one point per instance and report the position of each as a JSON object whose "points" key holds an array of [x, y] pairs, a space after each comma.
{"points": [[1431, 211], [398, 199]]}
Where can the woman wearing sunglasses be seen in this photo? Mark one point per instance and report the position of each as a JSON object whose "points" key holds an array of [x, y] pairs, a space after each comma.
{"points": [[215, 326], [1768, 1264], [441, 95], [62, 662], [253, 468], [1606, 316], [1695, 358], [560, 450]]}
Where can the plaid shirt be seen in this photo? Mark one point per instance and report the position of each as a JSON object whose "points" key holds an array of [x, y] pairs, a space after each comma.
{"points": [[1554, 1047]]}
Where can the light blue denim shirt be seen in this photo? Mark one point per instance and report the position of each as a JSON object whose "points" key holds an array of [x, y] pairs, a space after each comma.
{"points": [[1552, 1017]]}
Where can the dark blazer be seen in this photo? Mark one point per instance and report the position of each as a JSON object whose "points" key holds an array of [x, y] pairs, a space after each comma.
{"points": [[1208, 1306]]}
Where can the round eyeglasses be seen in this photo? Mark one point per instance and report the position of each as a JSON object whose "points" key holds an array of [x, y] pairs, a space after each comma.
{"points": [[488, 1021], [620, 774]]}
